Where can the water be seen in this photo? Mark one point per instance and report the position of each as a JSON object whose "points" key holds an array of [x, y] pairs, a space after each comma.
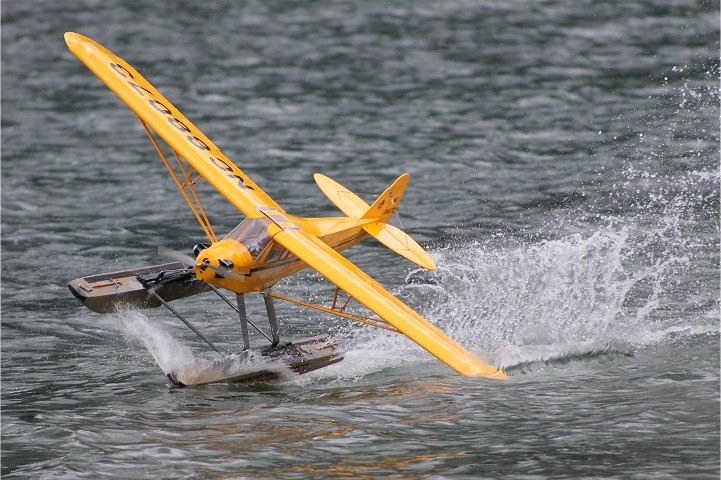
{"points": [[564, 162]]}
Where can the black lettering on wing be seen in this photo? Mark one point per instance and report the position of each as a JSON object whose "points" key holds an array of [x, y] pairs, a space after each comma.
{"points": [[241, 181], [140, 89], [159, 106], [197, 142], [121, 70], [178, 124]]}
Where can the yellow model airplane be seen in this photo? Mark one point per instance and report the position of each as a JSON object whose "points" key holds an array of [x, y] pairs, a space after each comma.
{"points": [[268, 245]]}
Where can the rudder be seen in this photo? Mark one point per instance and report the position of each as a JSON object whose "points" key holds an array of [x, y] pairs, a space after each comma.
{"points": [[385, 205]]}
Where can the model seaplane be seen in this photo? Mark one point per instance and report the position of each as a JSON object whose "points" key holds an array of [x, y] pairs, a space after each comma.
{"points": [[267, 246]]}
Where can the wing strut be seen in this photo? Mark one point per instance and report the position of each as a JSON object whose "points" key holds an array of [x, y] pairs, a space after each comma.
{"points": [[195, 204], [338, 311], [182, 319]]}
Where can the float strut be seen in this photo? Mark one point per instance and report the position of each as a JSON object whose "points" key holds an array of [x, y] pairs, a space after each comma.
{"points": [[243, 320], [272, 319], [187, 323], [226, 300]]}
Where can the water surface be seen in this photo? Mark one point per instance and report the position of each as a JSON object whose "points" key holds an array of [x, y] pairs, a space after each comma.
{"points": [[564, 176]]}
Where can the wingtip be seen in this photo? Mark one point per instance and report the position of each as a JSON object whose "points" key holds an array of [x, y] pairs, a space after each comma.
{"points": [[75, 40], [491, 371], [423, 259], [323, 180], [72, 37], [427, 263]]}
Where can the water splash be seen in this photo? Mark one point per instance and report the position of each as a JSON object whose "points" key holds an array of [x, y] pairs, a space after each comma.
{"points": [[612, 290], [219, 369], [176, 358], [623, 286], [618, 288], [169, 353]]}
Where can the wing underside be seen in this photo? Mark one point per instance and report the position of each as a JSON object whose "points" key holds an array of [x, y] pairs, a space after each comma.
{"points": [[344, 274], [171, 125]]}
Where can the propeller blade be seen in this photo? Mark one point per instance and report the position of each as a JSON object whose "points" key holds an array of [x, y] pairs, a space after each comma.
{"points": [[177, 256]]}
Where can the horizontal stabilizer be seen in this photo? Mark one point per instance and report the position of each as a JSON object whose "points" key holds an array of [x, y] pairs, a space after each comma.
{"points": [[381, 211], [346, 201], [398, 241]]}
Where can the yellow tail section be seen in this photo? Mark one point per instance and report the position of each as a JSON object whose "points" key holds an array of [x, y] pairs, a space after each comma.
{"points": [[381, 211], [385, 205]]}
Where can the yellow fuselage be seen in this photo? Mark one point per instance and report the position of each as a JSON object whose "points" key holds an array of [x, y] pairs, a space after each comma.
{"points": [[255, 273]]}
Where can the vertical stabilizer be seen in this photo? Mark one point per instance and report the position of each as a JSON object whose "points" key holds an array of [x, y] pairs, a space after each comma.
{"points": [[385, 205]]}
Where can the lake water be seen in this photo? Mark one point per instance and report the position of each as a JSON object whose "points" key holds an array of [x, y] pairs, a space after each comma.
{"points": [[564, 162]]}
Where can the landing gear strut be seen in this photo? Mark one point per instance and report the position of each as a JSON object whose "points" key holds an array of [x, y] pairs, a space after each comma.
{"points": [[244, 320]]}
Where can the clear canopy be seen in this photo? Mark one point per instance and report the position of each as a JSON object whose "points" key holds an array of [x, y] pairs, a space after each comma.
{"points": [[252, 233]]}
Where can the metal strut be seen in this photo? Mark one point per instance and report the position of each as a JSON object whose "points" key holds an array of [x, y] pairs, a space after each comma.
{"points": [[187, 323], [194, 203], [270, 308], [243, 320], [338, 311], [235, 307]]}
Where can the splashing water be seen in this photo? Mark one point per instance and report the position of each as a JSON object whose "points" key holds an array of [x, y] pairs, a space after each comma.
{"points": [[607, 291], [172, 356], [557, 297], [169, 353], [220, 369]]}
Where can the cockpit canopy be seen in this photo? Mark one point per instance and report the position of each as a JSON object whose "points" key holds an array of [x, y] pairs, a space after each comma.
{"points": [[252, 233]]}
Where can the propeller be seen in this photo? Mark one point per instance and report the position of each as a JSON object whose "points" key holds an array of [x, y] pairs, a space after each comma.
{"points": [[181, 257]]}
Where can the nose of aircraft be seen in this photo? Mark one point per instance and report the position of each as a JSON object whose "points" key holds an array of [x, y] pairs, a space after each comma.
{"points": [[226, 254]]}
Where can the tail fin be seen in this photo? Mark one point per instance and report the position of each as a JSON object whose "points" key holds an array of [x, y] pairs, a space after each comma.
{"points": [[385, 205], [381, 211]]}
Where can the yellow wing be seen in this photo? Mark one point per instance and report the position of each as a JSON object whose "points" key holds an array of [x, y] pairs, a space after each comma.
{"points": [[167, 121], [338, 270]]}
